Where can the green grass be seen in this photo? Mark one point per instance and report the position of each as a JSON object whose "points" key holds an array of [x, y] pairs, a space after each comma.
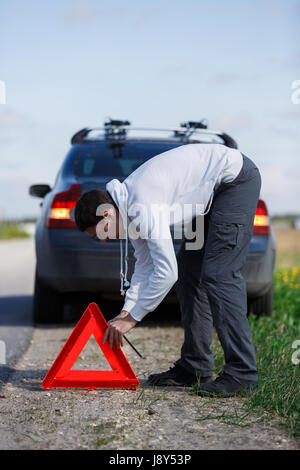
{"points": [[105, 436], [279, 390], [279, 378], [10, 230]]}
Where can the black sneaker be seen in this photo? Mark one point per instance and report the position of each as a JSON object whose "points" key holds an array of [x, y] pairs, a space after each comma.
{"points": [[177, 376], [225, 386]]}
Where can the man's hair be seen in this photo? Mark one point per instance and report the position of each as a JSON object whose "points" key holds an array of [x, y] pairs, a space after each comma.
{"points": [[86, 207]]}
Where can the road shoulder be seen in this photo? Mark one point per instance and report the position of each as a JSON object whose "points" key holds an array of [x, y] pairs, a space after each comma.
{"points": [[147, 418]]}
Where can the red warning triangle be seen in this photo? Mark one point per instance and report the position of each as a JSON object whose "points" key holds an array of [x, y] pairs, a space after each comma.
{"points": [[60, 373]]}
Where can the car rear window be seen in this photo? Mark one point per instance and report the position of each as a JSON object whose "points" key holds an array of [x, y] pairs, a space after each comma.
{"points": [[115, 158]]}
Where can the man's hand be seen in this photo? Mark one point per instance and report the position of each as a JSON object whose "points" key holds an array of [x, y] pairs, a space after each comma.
{"points": [[117, 327]]}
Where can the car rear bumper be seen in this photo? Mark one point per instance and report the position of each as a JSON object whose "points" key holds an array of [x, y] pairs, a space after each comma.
{"points": [[259, 267], [68, 265]]}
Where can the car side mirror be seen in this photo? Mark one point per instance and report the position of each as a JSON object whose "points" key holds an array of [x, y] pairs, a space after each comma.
{"points": [[39, 190]]}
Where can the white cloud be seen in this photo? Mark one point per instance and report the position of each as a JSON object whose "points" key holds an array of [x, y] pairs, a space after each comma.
{"points": [[232, 78], [15, 201], [11, 119], [224, 78], [87, 11], [292, 113], [176, 70], [233, 122], [284, 132], [280, 188], [82, 11]]}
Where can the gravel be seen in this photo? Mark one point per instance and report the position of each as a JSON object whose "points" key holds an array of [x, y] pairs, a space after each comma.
{"points": [[146, 418]]}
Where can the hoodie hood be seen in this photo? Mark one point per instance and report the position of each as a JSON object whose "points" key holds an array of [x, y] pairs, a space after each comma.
{"points": [[119, 194]]}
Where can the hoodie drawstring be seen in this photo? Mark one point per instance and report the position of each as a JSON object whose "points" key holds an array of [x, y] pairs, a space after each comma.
{"points": [[121, 268], [124, 260], [126, 282]]}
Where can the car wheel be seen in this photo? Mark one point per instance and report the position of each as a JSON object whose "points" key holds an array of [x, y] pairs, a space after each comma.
{"points": [[263, 305], [47, 304]]}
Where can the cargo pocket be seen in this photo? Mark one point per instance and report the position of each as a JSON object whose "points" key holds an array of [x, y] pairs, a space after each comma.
{"points": [[225, 236], [222, 252]]}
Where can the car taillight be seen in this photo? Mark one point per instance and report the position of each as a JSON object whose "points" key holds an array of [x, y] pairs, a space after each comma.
{"points": [[261, 220], [60, 208]]}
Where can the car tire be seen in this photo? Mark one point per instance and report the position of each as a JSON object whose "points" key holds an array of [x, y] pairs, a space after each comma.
{"points": [[48, 306], [263, 306]]}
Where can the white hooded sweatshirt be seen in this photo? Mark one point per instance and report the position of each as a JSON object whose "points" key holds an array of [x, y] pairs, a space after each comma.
{"points": [[184, 176]]}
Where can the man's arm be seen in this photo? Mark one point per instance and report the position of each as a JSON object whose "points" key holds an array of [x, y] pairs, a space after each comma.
{"points": [[154, 274], [150, 283], [124, 322]]}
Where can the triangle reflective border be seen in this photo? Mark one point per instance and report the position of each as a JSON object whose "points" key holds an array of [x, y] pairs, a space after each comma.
{"points": [[60, 373]]}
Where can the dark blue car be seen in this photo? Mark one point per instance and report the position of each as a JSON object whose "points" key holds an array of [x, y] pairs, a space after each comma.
{"points": [[69, 261]]}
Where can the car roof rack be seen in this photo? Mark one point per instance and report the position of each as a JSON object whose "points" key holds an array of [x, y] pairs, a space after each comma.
{"points": [[116, 129], [112, 128], [192, 126]]}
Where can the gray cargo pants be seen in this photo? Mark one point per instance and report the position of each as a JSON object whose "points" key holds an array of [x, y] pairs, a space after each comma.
{"points": [[211, 289]]}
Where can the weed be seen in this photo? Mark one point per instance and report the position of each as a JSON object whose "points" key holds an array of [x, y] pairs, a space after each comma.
{"points": [[279, 379]]}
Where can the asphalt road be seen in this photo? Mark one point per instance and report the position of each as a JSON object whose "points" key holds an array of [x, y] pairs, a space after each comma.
{"points": [[17, 265]]}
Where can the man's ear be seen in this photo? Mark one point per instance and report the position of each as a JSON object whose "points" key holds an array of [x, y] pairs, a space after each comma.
{"points": [[107, 226], [104, 210], [108, 213]]}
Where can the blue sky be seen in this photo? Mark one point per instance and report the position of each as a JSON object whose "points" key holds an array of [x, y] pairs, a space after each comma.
{"points": [[70, 64]]}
